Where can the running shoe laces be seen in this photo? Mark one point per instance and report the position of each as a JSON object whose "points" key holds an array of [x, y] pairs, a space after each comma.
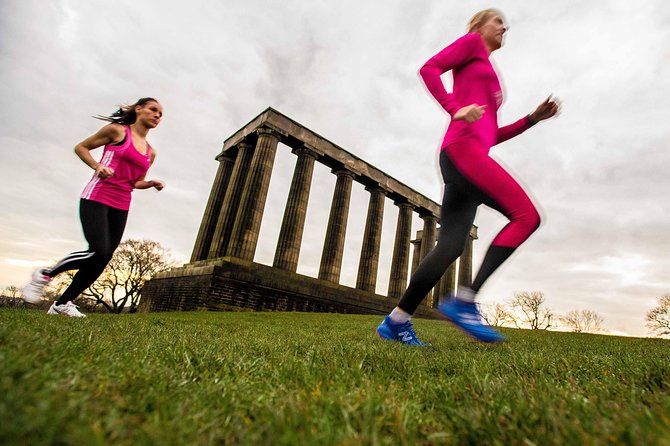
{"points": [[68, 309], [403, 333]]}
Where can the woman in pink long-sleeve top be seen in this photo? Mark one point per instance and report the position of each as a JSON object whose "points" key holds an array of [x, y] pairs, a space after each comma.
{"points": [[471, 178]]}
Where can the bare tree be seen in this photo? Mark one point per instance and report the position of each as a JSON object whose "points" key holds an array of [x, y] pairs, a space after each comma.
{"points": [[495, 314], [583, 321], [12, 292], [134, 262], [529, 304], [658, 318], [10, 296]]}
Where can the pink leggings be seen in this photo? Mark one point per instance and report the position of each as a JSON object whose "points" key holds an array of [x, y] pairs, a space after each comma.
{"points": [[472, 178], [493, 186]]}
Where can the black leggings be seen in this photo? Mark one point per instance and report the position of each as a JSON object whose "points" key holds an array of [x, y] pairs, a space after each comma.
{"points": [[103, 228], [461, 199]]}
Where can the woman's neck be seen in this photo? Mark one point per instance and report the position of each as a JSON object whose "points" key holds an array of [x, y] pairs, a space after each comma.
{"points": [[487, 45], [139, 130]]}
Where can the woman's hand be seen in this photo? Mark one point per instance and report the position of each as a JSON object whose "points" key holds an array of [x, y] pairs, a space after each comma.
{"points": [[143, 184], [547, 109], [103, 171], [470, 113], [158, 184]]}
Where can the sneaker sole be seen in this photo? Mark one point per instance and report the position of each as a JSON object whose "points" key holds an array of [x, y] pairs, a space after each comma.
{"points": [[28, 298], [398, 342], [31, 301], [470, 335]]}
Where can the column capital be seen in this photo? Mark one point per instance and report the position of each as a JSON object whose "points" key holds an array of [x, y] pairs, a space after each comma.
{"points": [[226, 157], [343, 171], [376, 188], [267, 131], [305, 150], [243, 144], [429, 217], [404, 204]]}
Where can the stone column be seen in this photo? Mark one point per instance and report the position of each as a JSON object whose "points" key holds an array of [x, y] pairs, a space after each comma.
{"points": [[399, 264], [429, 234], [244, 237], [427, 245], [331, 257], [231, 200], [465, 262], [372, 237], [208, 224], [437, 293], [465, 265], [416, 250], [449, 280], [293, 224]]}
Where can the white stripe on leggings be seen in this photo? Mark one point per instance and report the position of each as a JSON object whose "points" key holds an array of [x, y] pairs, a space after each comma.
{"points": [[72, 257]]}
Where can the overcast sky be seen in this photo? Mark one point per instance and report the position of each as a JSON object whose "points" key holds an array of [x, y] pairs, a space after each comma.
{"points": [[348, 71]]}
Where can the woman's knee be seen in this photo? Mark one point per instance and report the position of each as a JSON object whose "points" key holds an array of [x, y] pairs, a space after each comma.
{"points": [[446, 253], [103, 254]]}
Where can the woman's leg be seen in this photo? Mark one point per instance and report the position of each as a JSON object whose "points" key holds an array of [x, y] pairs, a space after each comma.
{"points": [[500, 191], [103, 228], [496, 188], [456, 217]]}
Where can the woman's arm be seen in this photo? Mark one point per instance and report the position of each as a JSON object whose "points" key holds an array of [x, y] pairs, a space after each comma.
{"points": [[458, 53], [514, 129], [547, 109], [109, 134], [144, 184]]}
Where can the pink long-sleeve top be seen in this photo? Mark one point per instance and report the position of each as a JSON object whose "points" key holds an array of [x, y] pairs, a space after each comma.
{"points": [[475, 82]]}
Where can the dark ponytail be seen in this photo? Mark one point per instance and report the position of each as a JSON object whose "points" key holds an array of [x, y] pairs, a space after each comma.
{"points": [[125, 115]]}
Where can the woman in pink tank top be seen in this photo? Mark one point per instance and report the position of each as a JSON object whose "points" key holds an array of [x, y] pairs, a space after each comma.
{"points": [[104, 203], [471, 178]]}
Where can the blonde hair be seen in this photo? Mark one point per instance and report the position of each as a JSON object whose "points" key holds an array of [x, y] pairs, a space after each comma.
{"points": [[480, 18]]}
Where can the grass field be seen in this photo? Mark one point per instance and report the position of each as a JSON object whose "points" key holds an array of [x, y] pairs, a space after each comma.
{"points": [[303, 379]]}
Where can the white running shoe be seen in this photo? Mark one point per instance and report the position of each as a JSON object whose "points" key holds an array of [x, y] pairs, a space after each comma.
{"points": [[32, 293], [68, 309]]}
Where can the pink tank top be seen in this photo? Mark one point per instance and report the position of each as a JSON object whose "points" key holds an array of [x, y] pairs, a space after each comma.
{"points": [[475, 82], [129, 166]]}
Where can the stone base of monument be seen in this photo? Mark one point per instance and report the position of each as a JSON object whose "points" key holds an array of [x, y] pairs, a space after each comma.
{"points": [[231, 284]]}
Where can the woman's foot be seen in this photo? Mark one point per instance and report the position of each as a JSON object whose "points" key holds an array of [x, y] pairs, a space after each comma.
{"points": [[399, 332], [67, 309], [466, 317], [32, 293]]}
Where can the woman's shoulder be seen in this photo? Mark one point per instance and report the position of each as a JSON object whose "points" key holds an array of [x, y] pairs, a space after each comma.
{"points": [[471, 39], [115, 132], [114, 129]]}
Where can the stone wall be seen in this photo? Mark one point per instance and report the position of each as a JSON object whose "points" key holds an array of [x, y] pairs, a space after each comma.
{"points": [[233, 284]]}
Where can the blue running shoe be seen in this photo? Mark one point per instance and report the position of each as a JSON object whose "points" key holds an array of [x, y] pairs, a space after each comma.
{"points": [[403, 333], [466, 317]]}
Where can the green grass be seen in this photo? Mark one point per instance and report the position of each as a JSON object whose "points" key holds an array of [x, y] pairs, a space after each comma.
{"points": [[298, 378]]}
